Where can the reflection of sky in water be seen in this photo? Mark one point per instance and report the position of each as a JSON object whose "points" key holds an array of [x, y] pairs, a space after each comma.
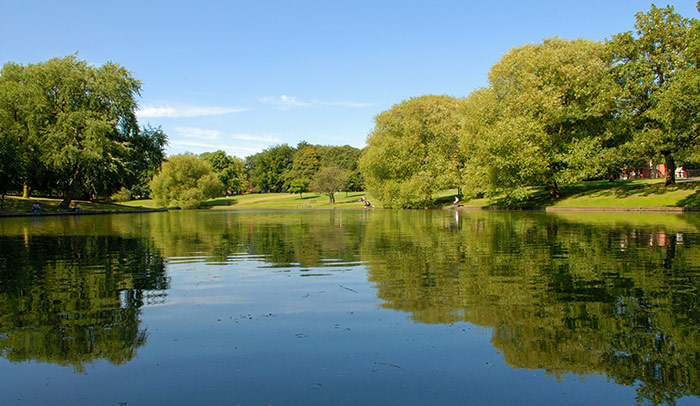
{"points": [[242, 328]]}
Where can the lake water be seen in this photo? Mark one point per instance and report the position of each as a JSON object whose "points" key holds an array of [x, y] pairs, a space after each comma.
{"points": [[350, 307]]}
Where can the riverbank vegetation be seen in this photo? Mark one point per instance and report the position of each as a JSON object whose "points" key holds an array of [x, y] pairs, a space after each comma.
{"points": [[70, 129], [553, 114]]}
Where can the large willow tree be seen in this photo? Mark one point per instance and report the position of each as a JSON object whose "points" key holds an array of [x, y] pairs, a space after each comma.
{"points": [[75, 123], [412, 152], [544, 120]]}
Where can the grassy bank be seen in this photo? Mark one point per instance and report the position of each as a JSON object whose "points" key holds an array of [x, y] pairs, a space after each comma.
{"points": [[630, 194], [622, 194], [288, 201], [14, 204]]}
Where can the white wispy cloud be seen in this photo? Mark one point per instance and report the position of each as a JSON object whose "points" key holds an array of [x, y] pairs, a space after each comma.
{"points": [[186, 111], [200, 133], [198, 140], [264, 138], [285, 102]]}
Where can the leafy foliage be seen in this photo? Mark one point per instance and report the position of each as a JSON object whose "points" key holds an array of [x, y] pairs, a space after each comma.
{"points": [[184, 181], [549, 106], [329, 180], [267, 170], [123, 195], [299, 185], [146, 155], [645, 65], [304, 167], [229, 169], [71, 127], [412, 152]]}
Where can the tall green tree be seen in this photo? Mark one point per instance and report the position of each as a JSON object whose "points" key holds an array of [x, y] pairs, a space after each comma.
{"points": [[305, 164], [19, 129], [299, 185], [12, 129], [412, 152], [268, 169], [329, 180], [74, 119], [184, 181], [90, 118], [546, 119], [229, 169], [645, 64]]}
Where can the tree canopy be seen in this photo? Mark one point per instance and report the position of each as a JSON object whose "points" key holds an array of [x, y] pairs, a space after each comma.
{"points": [[184, 181], [544, 118], [71, 127], [229, 169], [412, 152], [646, 64], [329, 180], [554, 112]]}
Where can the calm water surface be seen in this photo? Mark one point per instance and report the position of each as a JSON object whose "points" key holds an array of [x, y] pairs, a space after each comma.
{"points": [[354, 307]]}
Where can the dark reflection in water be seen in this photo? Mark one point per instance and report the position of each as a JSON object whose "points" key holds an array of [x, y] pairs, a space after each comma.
{"points": [[329, 294], [72, 300], [560, 296]]}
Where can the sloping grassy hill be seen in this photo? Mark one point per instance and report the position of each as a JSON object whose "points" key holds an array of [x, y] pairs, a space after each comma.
{"points": [[624, 194]]}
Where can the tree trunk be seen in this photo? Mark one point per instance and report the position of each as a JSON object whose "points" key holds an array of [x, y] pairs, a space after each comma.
{"points": [[671, 241], [670, 169], [553, 189], [332, 198], [67, 196], [70, 190]]}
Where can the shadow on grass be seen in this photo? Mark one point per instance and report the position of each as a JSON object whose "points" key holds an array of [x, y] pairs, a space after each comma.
{"points": [[16, 204], [692, 201], [444, 201], [222, 201], [540, 198]]}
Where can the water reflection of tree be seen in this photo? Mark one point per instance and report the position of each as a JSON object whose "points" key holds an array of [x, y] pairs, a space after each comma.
{"points": [[304, 239], [559, 296], [71, 300]]}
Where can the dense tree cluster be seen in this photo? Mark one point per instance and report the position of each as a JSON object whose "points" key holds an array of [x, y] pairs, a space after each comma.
{"points": [[187, 180], [284, 168], [555, 112], [69, 128]]}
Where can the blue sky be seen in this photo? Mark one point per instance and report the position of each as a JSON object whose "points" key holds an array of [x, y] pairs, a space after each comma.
{"points": [[245, 75]]}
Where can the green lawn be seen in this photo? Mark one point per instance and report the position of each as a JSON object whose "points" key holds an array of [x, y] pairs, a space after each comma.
{"points": [[14, 204], [626, 194], [288, 201], [343, 200]]}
